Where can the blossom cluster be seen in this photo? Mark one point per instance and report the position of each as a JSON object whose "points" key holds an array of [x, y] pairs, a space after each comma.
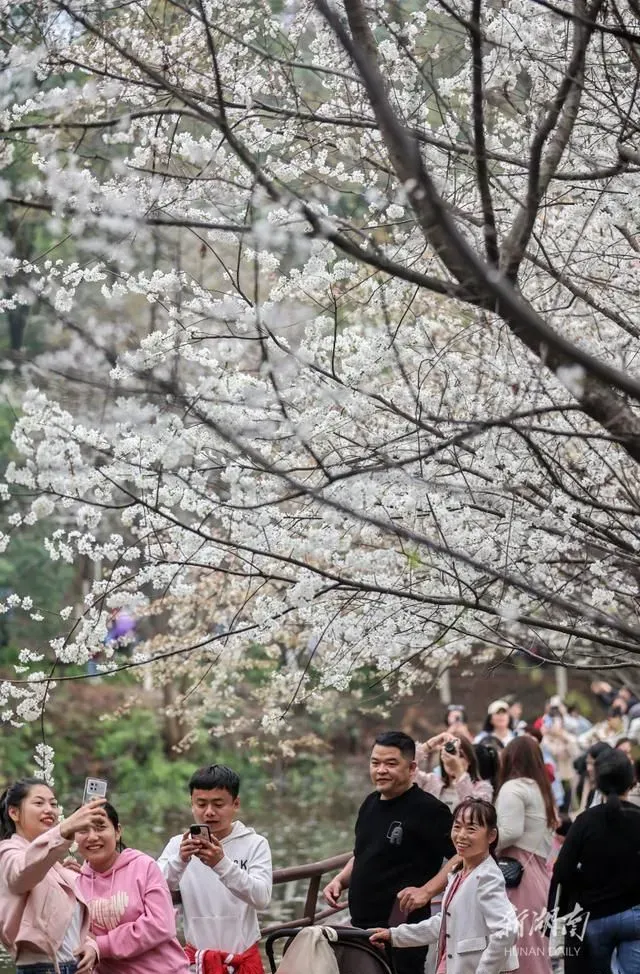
{"points": [[254, 415]]}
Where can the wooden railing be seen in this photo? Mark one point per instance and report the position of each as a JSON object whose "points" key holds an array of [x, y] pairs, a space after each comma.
{"points": [[313, 871]]}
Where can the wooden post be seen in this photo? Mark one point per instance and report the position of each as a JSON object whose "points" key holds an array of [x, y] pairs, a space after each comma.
{"points": [[311, 901]]}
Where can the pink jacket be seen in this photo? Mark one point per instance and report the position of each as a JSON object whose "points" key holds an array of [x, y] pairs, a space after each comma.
{"points": [[38, 895], [132, 917], [453, 794]]}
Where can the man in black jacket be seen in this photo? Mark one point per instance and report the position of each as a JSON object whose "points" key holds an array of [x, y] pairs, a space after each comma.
{"points": [[402, 836]]}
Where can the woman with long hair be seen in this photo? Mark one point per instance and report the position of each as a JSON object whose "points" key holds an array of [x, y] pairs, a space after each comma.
{"points": [[132, 916], [526, 821], [44, 922], [589, 794], [597, 867], [459, 777]]}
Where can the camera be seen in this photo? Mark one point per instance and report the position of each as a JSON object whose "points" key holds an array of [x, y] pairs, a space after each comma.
{"points": [[451, 747]]}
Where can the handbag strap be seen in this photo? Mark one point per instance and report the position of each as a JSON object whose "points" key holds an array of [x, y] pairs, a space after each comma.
{"points": [[531, 855]]}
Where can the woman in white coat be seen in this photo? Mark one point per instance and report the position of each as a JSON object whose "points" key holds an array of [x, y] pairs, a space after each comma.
{"points": [[526, 820], [477, 928]]}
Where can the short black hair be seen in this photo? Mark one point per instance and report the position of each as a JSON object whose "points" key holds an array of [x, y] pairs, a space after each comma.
{"points": [[598, 748], [114, 818], [534, 731], [488, 761], [215, 776], [614, 773], [478, 811], [109, 811], [405, 744], [111, 814], [491, 741]]}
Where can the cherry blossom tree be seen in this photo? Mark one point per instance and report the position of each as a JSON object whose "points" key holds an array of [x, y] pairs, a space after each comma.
{"points": [[346, 337]]}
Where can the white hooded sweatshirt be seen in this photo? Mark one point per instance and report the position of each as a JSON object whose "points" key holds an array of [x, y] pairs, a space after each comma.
{"points": [[220, 903]]}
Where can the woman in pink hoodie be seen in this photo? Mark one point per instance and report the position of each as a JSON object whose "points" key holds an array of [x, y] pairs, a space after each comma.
{"points": [[44, 923], [132, 916]]}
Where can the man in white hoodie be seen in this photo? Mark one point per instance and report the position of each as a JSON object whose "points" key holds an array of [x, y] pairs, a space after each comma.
{"points": [[222, 882]]}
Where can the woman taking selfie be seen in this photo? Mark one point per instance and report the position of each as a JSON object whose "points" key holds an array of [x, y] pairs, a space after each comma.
{"points": [[44, 923], [477, 927], [132, 916]]}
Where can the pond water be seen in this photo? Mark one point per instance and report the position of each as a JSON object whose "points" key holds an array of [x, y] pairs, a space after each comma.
{"points": [[300, 830]]}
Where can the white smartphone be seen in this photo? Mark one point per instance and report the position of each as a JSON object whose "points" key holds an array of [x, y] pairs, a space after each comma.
{"points": [[94, 788]]}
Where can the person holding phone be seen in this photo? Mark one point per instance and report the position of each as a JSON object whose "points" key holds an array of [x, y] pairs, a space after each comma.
{"points": [[455, 721], [562, 747], [459, 777], [44, 920], [132, 916], [223, 872]]}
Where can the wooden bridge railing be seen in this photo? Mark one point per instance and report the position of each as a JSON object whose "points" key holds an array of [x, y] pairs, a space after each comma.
{"points": [[313, 871]]}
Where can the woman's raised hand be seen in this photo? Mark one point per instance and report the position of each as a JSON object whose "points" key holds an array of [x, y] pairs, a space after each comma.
{"points": [[438, 741], [453, 764], [90, 814]]}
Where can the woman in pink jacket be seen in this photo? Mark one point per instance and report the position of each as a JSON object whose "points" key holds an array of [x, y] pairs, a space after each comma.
{"points": [[132, 916], [44, 923], [459, 777]]}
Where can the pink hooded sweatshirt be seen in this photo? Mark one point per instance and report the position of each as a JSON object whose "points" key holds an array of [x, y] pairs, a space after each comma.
{"points": [[132, 917], [38, 895]]}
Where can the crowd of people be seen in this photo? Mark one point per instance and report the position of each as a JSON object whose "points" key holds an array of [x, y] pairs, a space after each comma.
{"points": [[545, 824], [473, 855]]}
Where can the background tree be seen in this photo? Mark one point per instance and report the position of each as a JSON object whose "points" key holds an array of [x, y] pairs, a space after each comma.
{"points": [[388, 385]]}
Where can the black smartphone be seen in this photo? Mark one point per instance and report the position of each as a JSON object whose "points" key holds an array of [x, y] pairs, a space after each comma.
{"points": [[198, 831]]}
